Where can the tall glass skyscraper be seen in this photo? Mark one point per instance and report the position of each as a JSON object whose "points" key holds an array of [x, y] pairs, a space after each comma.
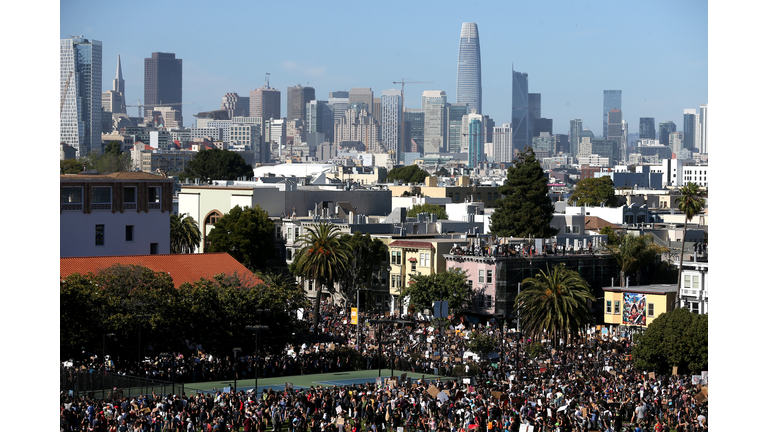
{"points": [[391, 121], [469, 86], [521, 123], [647, 128], [611, 101], [666, 128], [689, 128], [80, 79]]}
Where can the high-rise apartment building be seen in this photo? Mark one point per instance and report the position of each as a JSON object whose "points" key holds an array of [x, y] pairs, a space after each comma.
{"points": [[235, 105], [521, 123], [391, 121], [476, 139], [454, 115], [703, 143], [265, 102], [647, 128], [534, 107], [469, 88], [574, 135], [665, 128], [358, 125], [689, 128], [611, 101], [434, 102], [503, 147], [298, 97], [162, 81], [80, 87]]}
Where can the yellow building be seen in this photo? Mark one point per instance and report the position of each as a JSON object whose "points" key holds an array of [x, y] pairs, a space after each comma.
{"points": [[462, 191], [637, 306]]}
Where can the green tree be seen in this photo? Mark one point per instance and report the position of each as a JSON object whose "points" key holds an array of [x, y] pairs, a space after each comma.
{"points": [[322, 258], [409, 174], [677, 338], [613, 239], [481, 343], [525, 208], [366, 256], [594, 191], [634, 253], [185, 234], [246, 234], [428, 208], [554, 302], [79, 316], [113, 147], [215, 164], [450, 285], [691, 201], [72, 166]]}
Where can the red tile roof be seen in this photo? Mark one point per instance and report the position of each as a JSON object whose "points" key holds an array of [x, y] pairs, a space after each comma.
{"points": [[411, 244], [181, 267]]}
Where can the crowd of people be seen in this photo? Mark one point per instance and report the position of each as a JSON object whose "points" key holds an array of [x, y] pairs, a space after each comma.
{"points": [[580, 386]]}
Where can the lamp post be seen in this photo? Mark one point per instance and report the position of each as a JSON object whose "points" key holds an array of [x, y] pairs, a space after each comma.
{"points": [[256, 329], [234, 368], [141, 317], [103, 347]]}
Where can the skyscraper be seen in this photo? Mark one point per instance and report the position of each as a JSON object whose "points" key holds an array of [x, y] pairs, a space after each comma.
{"points": [[235, 105], [434, 102], [362, 95], [503, 149], [391, 115], [469, 88], [113, 101], [476, 132], [534, 106], [665, 128], [704, 145], [80, 86], [265, 102], [521, 123], [611, 100], [574, 136], [616, 133], [689, 128], [647, 128], [415, 125], [162, 82], [298, 97], [454, 116]]}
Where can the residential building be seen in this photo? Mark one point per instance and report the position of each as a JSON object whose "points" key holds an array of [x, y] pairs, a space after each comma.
{"points": [[162, 82], [358, 125], [521, 123], [633, 308], [298, 97], [236, 105], [391, 122], [80, 90], [152, 160], [503, 147], [647, 128], [676, 142], [469, 88], [611, 101], [125, 213], [694, 292]]}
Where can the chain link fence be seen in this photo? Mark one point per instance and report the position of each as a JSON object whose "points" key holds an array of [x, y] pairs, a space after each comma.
{"points": [[103, 385]]}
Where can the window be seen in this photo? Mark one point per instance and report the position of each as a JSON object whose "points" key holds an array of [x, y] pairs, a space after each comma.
{"points": [[687, 283], [695, 281], [650, 309], [575, 229], [71, 195], [481, 277], [395, 281], [290, 234], [616, 310], [413, 266], [397, 257], [694, 307], [296, 234], [488, 301], [608, 306], [129, 195], [567, 229], [101, 198], [424, 260], [99, 235], [154, 195], [289, 254], [489, 276], [129, 233], [153, 248]]}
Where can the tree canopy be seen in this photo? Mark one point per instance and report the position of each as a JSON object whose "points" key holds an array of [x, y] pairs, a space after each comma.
{"points": [[72, 166], [691, 201], [677, 338], [408, 174], [450, 285], [635, 253], [215, 164], [525, 208], [246, 234], [594, 191], [428, 208], [185, 234], [367, 255], [554, 303]]}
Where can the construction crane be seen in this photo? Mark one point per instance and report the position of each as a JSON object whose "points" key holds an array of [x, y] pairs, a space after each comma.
{"points": [[64, 96], [140, 105], [402, 83]]}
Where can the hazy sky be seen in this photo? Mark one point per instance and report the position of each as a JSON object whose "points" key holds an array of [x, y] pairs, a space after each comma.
{"points": [[654, 51]]}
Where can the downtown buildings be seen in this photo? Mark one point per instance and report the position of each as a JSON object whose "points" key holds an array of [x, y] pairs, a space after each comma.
{"points": [[80, 87], [162, 82], [469, 87]]}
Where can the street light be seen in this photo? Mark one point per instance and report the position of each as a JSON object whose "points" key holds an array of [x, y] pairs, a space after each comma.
{"points": [[235, 351], [140, 317], [103, 346], [256, 329]]}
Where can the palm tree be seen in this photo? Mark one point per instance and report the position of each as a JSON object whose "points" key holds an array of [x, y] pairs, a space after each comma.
{"points": [[554, 301], [185, 234], [323, 257], [633, 253], [690, 202]]}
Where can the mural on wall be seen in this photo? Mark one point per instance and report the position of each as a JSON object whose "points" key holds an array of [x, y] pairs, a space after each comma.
{"points": [[634, 309]]}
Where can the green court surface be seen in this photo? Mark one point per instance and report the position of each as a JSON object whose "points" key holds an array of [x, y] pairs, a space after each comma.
{"points": [[305, 381]]}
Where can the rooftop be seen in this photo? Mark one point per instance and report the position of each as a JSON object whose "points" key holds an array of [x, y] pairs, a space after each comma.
{"points": [[644, 289], [123, 176]]}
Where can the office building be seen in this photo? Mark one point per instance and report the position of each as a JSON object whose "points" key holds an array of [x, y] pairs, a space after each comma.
{"points": [[358, 125], [298, 97], [476, 139], [703, 144], [574, 135], [665, 128], [113, 101], [647, 128], [319, 116], [676, 142], [611, 101], [235, 105], [690, 122], [616, 133], [521, 124], [455, 114], [414, 126], [338, 94], [534, 107], [362, 95], [162, 82], [391, 121], [503, 147], [469, 88], [80, 87], [540, 125], [434, 123], [265, 102]]}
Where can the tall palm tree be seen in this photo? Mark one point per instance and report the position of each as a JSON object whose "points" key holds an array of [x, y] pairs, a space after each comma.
{"points": [[633, 253], [185, 234], [554, 301], [690, 202], [323, 256]]}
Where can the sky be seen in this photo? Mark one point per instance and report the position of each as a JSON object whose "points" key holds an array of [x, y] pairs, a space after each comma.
{"points": [[654, 51]]}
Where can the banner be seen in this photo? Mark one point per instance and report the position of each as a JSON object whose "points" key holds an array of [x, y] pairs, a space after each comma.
{"points": [[353, 315], [634, 309]]}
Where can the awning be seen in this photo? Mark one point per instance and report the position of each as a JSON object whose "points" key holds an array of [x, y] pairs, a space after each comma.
{"points": [[412, 259]]}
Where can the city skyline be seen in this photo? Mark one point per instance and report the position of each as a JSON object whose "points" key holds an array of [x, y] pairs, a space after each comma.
{"points": [[216, 66]]}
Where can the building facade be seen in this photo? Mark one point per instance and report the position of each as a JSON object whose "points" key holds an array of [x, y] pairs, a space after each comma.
{"points": [[503, 148], [265, 103], [647, 128], [298, 97], [690, 123], [611, 101], [434, 103], [162, 81], [391, 121], [235, 105], [469, 88], [80, 89], [521, 124]]}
